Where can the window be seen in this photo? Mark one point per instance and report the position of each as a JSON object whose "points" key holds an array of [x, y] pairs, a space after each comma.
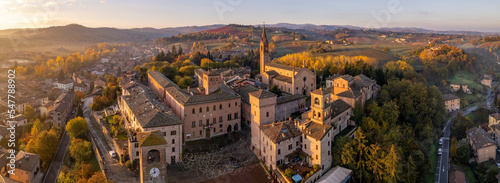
{"points": [[208, 121], [208, 108], [305, 146], [316, 101], [297, 143], [229, 105], [290, 147], [137, 153], [328, 143], [200, 132], [214, 107], [267, 114], [173, 132], [173, 149], [305, 79], [193, 111], [220, 126], [220, 106], [316, 157], [236, 104], [279, 151], [164, 133], [200, 124], [328, 153], [136, 145], [214, 120], [220, 119], [193, 124], [316, 147], [214, 129], [229, 117], [200, 110], [173, 141], [235, 115]]}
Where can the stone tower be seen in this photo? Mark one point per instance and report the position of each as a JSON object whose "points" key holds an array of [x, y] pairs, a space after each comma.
{"points": [[264, 51], [263, 111], [320, 107], [211, 81], [152, 154]]}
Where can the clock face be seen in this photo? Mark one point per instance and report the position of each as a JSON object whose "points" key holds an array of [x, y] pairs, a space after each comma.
{"points": [[154, 172]]}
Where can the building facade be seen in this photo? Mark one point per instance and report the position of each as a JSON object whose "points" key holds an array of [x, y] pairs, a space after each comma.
{"points": [[451, 102], [483, 147]]}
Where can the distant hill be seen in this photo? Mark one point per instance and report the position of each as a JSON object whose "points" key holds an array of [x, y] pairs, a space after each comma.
{"points": [[79, 33]]}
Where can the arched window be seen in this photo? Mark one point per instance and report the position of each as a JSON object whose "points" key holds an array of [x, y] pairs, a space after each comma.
{"points": [[304, 79], [316, 101], [154, 156], [201, 110], [319, 114], [193, 111]]}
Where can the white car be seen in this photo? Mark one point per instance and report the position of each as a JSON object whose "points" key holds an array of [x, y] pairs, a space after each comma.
{"points": [[439, 151], [112, 154], [440, 142]]}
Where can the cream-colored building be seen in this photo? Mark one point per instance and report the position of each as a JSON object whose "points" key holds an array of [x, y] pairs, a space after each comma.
{"points": [[208, 111], [482, 145], [27, 168], [455, 87], [451, 102], [493, 119], [61, 110], [292, 80], [486, 80], [142, 114], [352, 90]]}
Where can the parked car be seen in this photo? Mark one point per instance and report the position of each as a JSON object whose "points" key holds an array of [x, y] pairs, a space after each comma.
{"points": [[112, 154], [440, 141], [439, 151]]}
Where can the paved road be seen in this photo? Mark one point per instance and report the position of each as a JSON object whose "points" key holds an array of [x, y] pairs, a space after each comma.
{"points": [[58, 158], [442, 163]]}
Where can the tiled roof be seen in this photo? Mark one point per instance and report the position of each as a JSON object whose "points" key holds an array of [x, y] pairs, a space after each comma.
{"points": [[288, 98], [224, 93], [280, 131], [161, 79], [271, 73], [262, 94], [321, 91], [479, 137], [150, 138], [316, 130], [333, 77], [212, 73], [339, 106], [283, 78], [27, 161], [63, 102], [244, 92], [281, 66], [336, 175], [365, 81], [496, 116], [447, 97]]}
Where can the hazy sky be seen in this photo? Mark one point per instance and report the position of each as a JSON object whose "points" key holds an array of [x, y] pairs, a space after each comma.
{"points": [[481, 15]]}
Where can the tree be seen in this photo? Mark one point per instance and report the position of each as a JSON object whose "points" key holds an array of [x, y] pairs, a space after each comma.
{"points": [[29, 112], [386, 49], [463, 151], [99, 177], [85, 171], [460, 125], [276, 90], [289, 172], [45, 145], [77, 127], [391, 165], [453, 147], [80, 150], [36, 129]]}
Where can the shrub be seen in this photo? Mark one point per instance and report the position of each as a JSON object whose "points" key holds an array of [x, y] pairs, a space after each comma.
{"points": [[316, 167], [289, 172]]}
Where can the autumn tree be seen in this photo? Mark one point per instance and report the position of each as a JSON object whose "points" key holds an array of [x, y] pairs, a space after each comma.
{"points": [[80, 150], [77, 127], [99, 178], [44, 145], [29, 112]]}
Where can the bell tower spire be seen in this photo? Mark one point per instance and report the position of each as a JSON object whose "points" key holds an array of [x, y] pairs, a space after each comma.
{"points": [[264, 50]]}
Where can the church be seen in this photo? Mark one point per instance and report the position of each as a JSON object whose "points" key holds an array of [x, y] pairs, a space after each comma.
{"points": [[292, 80]]}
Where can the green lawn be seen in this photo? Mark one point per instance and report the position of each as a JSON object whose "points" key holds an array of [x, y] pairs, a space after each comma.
{"points": [[469, 175], [463, 77], [432, 159]]}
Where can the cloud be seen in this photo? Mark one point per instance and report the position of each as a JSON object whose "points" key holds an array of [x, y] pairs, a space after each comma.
{"points": [[102, 2]]}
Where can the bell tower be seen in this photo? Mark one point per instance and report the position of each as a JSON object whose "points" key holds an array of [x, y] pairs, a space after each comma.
{"points": [[264, 51], [152, 154]]}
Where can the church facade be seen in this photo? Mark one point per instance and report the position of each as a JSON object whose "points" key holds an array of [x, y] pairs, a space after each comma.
{"points": [[292, 80]]}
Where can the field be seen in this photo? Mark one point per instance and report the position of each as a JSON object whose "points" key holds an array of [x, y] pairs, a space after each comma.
{"points": [[353, 50], [463, 77]]}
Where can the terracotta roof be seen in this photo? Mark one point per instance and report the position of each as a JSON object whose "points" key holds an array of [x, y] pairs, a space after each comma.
{"points": [[283, 78], [244, 92], [354, 92], [457, 177], [338, 107], [316, 130], [333, 77], [288, 98], [150, 138], [447, 97], [271, 73], [365, 80], [161, 79], [282, 66], [223, 93], [321, 91], [63, 102], [496, 116], [479, 138], [262, 94], [280, 131], [27, 161], [212, 73]]}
